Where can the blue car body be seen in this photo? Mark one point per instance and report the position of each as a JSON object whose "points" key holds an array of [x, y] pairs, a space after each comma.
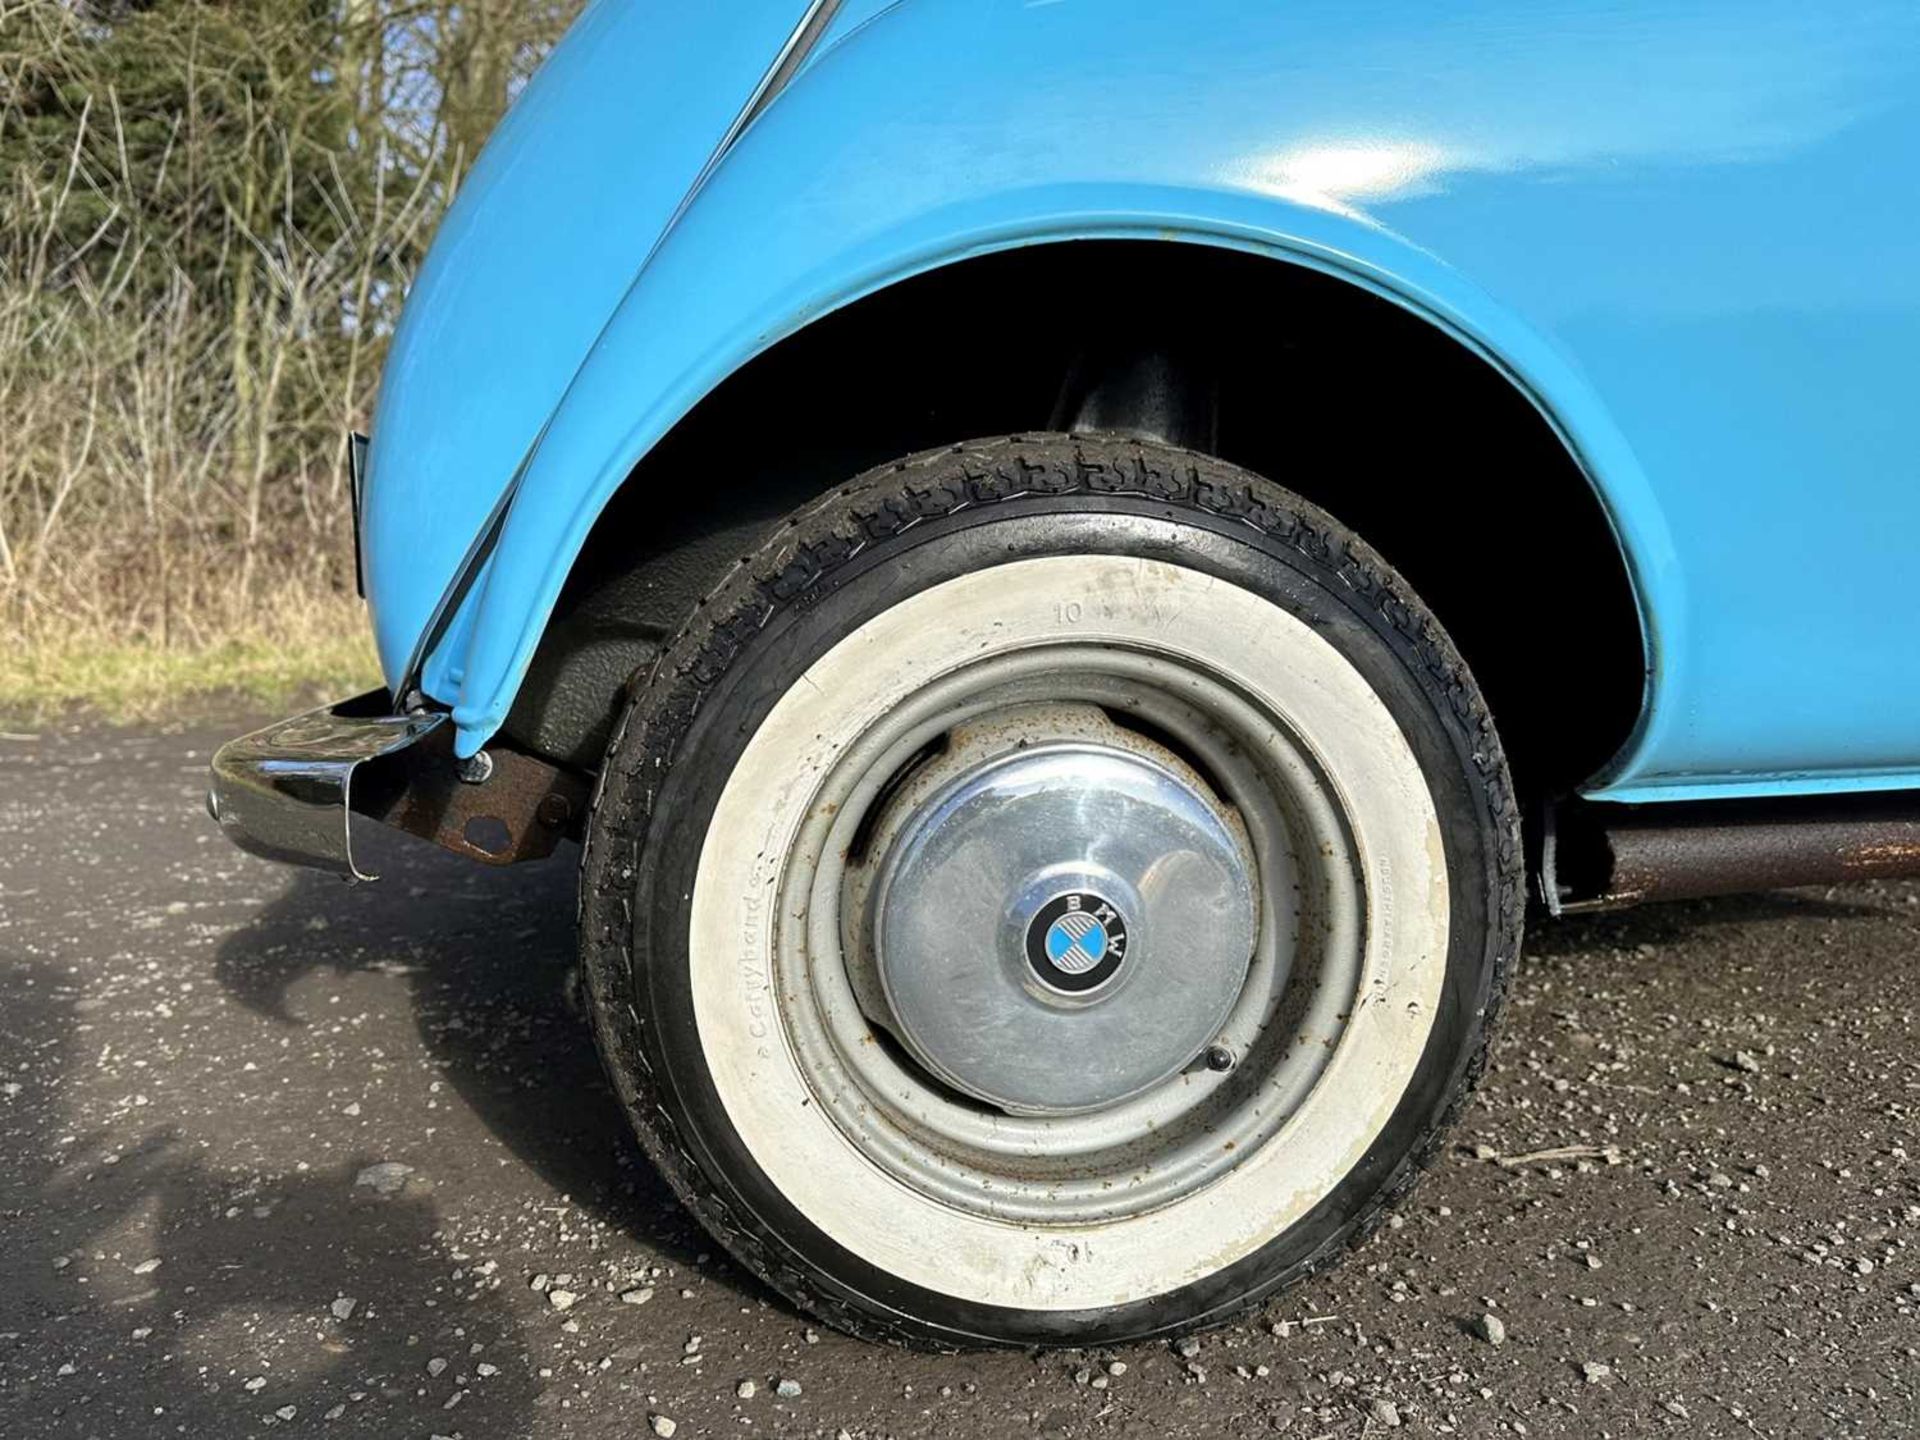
{"points": [[1687, 233]]}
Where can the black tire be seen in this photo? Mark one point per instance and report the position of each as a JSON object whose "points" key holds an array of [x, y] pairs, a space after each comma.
{"points": [[850, 556]]}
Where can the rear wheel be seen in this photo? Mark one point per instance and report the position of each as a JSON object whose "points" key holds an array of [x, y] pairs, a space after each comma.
{"points": [[1055, 891]]}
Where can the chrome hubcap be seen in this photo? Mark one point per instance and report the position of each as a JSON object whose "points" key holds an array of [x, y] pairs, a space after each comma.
{"points": [[1059, 926], [940, 851]]}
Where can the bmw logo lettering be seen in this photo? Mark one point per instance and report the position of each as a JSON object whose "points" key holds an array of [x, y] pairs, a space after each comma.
{"points": [[1077, 942]]}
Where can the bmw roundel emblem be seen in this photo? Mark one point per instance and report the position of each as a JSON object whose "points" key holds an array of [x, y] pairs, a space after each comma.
{"points": [[1077, 941]]}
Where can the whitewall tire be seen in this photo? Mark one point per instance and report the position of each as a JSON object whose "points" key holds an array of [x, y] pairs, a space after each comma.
{"points": [[829, 879]]}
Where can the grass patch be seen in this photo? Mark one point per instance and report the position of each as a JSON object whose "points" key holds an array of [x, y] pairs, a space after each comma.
{"points": [[299, 652]]}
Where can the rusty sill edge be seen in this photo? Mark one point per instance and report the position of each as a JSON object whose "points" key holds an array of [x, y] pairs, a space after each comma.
{"points": [[1606, 857]]}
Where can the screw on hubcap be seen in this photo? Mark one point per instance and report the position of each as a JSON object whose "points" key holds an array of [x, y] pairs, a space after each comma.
{"points": [[1059, 926]]}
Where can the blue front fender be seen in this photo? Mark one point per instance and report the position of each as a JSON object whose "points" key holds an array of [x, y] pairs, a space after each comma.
{"points": [[1552, 186], [544, 239]]}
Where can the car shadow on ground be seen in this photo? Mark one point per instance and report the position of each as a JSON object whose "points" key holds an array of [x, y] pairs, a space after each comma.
{"points": [[108, 1338], [182, 1262], [489, 957], [1675, 921]]}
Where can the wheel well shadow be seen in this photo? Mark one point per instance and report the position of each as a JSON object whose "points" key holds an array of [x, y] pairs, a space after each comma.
{"points": [[1398, 429]]}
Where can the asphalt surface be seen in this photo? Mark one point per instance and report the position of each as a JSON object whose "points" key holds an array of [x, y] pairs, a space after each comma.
{"points": [[212, 1070]]}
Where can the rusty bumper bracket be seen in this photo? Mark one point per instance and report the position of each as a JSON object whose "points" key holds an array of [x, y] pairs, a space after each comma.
{"points": [[288, 792], [1598, 856]]}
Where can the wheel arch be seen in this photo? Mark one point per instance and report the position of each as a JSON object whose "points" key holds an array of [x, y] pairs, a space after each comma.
{"points": [[1339, 384]]}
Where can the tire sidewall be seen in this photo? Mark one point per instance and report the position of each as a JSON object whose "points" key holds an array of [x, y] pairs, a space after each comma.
{"points": [[896, 533]]}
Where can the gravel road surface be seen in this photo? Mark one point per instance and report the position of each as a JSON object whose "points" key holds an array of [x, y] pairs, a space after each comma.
{"points": [[281, 1156]]}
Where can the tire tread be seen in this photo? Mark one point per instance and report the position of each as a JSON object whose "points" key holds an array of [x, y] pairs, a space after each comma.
{"points": [[818, 540]]}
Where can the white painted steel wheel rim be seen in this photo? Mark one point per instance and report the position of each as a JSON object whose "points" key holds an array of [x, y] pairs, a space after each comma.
{"points": [[743, 911]]}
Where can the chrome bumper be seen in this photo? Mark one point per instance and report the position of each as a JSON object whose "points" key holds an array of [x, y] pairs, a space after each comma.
{"points": [[288, 792]]}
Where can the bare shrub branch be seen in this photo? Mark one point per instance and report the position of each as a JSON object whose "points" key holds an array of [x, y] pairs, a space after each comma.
{"points": [[210, 211]]}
